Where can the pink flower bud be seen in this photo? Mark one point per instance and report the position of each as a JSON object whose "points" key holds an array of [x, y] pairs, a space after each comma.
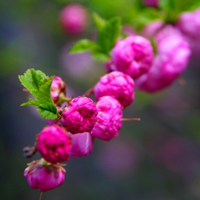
{"points": [[54, 144], [172, 57], [52, 122], [132, 55], [80, 115], [152, 3], [117, 85], [57, 88], [189, 24], [108, 119], [82, 144], [74, 18], [44, 176]]}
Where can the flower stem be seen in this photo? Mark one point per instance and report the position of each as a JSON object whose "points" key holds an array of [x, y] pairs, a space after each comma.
{"points": [[89, 92], [40, 195], [130, 119]]}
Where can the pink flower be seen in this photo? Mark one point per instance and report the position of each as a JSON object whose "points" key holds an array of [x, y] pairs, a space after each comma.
{"points": [[153, 3], [54, 144], [108, 119], [82, 144], [80, 115], [172, 57], [74, 18], [117, 85], [189, 24], [57, 88], [132, 55], [44, 176]]}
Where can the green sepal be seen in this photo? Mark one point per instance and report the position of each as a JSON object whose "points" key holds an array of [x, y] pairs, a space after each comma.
{"points": [[153, 44]]}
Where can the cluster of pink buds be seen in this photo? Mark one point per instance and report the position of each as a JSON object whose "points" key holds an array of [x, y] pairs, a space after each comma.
{"points": [[134, 57], [80, 121]]}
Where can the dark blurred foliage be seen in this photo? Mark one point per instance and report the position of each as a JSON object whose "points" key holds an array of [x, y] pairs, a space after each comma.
{"points": [[157, 158]]}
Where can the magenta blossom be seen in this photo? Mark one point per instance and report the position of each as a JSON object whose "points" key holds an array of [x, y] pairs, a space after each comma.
{"points": [[54, 144], [108, 119], [117, 85], [80, 115], [57, 88], [44, 176], [82, 144], [172, 57], [74, 18], [132, 55], [189, 24]]}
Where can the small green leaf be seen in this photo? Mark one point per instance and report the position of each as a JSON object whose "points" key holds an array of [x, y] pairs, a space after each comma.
{"points": [[100, 22], [100, 56], [33, 80], [48, 111], [83, 45], [44, 94], [40, 86], [108, 35], [31, 102]]}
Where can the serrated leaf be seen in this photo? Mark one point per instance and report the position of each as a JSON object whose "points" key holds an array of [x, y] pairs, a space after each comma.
{"points": [[44, 93], [31, 102], [83, 45], [33, 80], [48, 111]]}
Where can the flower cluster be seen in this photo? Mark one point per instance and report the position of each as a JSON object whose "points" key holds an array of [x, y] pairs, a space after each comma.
{"points": [[80, 121], [151, 62]]}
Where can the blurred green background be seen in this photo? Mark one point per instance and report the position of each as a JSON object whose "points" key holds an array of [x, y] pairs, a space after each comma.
{"points": [[157, 158]]}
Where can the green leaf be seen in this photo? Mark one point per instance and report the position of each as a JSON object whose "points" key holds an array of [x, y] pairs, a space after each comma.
{"points": [[31, 102], [48, 111], [173, 8], [39, 86], [44, 94], [100, 22], [108, 35], [33, 80], [83, 45], [100, 56]]}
